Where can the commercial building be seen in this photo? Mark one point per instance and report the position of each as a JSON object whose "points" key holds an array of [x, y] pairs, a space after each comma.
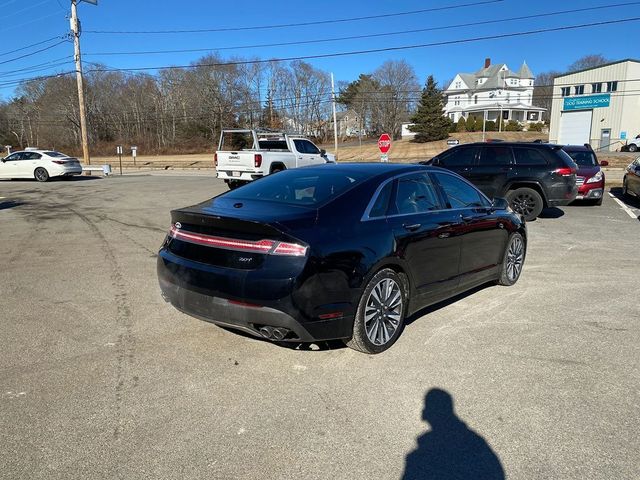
{"points": [[599, 106]]}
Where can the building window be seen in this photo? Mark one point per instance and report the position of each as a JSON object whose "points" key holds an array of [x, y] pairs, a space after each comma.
{"points": [[458, 85], [457, 102], [579, 89], [508, 97], [475, 99], [518, 98], [612, 86], [566, 91], [596, 87]]}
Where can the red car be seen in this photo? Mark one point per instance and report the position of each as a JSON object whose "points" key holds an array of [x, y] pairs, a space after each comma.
{"points": [[590, 177]]}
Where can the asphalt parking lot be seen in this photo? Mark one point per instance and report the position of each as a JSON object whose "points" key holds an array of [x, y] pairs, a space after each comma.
{"points": [[101, 379]]}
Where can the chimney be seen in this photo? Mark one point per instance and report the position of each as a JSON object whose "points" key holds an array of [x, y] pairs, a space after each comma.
{"points": [[487, 62]]}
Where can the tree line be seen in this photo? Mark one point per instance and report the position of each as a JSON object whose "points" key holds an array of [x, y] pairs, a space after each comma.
{"points": [[184, 109]]}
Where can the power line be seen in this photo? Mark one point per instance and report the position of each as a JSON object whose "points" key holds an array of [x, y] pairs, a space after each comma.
{"points": [[32, 45], [386, 49], [34, 52], [24, 69], [26, 8], [373, 35], [18, 25], [300, 24]]}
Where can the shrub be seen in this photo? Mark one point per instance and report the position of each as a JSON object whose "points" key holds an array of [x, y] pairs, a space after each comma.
{"points": [[535, 127], [513, 126], [461, 126], [490, 126]]}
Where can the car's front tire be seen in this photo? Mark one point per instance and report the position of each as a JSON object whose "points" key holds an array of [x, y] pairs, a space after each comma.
{"points": [[633, 147], [41, 174], [380, 316], [513, 260], [526, 201]]}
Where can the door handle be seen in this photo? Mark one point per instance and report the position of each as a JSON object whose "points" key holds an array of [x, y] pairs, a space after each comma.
{"points": [[466, 219], [412, 227], [299, 158], [444, 235]]}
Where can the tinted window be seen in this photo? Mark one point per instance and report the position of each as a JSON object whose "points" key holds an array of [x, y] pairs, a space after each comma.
{"points": [[14, 156], [458, 157], [415, 194], [586, 159], [305, 146], [495, 155], [381, 204], [528, 156], [299, 187], [459, 193], [31, 156]]}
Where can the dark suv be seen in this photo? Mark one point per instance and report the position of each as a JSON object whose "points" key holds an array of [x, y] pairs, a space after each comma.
{"points": [[531, 176]]}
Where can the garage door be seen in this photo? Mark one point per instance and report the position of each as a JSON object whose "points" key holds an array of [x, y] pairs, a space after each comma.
{"points": [[575, 128]]}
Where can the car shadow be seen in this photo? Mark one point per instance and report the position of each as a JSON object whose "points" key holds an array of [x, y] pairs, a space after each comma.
{"points": [[630, 200], [75, 178], [10, 204], [551, 212], [339, 344], [450, 449]]}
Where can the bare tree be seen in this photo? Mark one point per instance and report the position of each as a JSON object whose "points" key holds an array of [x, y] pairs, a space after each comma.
{"points": [[588, 61]]}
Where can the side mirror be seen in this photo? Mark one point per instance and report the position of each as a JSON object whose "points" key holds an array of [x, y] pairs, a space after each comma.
{"points": [[499, 204], [604, 163], [323, 152]]}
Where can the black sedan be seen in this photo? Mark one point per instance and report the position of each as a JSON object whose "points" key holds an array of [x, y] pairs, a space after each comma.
{"points": [[337, 251]]}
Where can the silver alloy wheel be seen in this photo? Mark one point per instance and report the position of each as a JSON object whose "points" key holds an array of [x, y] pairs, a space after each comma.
{"points": [[383, 311], [41, 174], [515, 258]]}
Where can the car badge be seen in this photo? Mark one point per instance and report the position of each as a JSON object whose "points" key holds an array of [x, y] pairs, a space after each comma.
{"points": [[178, 225]]}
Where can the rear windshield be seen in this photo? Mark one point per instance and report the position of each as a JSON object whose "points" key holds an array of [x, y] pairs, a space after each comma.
{"points": [[55, 154], [299, 186], [584, 159], [273, 145], [236, 141]]}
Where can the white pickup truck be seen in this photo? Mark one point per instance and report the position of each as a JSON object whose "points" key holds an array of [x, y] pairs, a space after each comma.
{"points": [[246, 155]]}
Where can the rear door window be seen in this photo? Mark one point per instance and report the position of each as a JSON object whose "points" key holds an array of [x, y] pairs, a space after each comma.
{"points": [[529, 157], [495, 155], [459, 157], [415, 194], [458, 193]]}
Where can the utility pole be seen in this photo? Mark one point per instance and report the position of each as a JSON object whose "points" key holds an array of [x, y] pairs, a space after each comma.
{"points": [[75, 30], [335, 123]]}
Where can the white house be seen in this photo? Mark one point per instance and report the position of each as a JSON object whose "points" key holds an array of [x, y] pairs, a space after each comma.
{"points": [[493, 91]]}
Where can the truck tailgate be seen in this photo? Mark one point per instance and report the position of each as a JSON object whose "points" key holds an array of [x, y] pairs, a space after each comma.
{"points": [[236, 161]]}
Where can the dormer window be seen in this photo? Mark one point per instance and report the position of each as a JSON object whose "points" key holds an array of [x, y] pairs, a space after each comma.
{"points": [[458, 85]]}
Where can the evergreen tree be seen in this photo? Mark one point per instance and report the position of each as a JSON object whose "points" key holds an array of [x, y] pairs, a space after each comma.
{"points": [[462, 125], [430, 124]]}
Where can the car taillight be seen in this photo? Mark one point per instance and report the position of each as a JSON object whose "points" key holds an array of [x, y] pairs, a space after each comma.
{"points": [[565, 171], [269, 247], [215, 160], [59, 162], [257, 160]]}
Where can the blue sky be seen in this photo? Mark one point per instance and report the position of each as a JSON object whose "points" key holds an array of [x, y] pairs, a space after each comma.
{"points": [[24, 23]]}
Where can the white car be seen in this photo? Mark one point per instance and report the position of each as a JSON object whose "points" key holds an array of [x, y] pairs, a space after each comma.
{"points": [[39, 164]]}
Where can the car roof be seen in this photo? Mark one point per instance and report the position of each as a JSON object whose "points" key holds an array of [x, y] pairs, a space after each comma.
{"points": [[576, 148], [511, 144], [373, 168]]}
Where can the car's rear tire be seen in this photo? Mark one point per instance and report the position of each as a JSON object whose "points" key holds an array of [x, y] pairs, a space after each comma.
{"points": [[513, 260], [380, 316], [41, 174], [526, 201], [633, 147], [233, 184], [598, 202]]}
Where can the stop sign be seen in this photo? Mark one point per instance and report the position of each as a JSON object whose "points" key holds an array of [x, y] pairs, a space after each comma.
{"points": [[384, 143]]}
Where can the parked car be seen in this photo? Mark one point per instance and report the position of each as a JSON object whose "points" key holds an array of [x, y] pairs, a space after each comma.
{"points": [[345, 252], [590, 177], [246, 155], [631, 179], [39, 164], [531, 176]]}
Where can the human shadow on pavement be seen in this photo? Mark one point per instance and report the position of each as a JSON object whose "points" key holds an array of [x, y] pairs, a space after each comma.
{"points": [[450, 450]]}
